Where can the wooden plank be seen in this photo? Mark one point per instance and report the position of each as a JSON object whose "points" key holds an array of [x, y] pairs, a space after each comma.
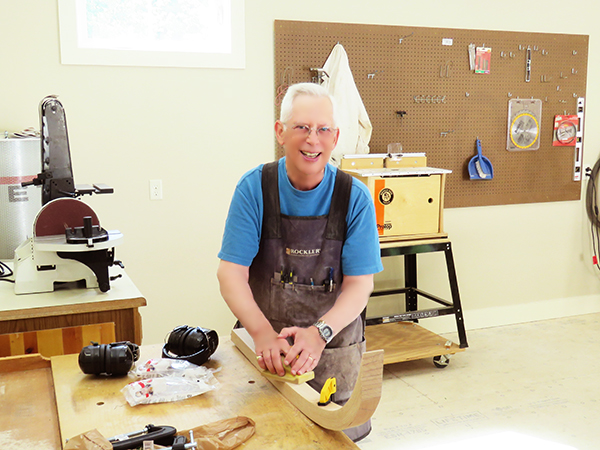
{"points": [[107, 333], [31, 344], [407, 341], [395, 241], [17, 344], [5, 345], [360, 406], [59, 341], [85, 402], [28, 417], [23, 362], [128, 325], [91, 333], [72, 340], [136, 327], [50, 342]]}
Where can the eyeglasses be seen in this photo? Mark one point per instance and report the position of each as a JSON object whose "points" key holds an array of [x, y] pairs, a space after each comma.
{"points": [[324, 134]]}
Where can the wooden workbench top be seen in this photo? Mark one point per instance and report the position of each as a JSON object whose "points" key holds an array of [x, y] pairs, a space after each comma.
{"points": [[85, 402], [123, 294], [28, 416]]}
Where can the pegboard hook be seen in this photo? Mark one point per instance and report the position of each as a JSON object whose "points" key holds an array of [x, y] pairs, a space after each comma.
{"points": [[404, 37], [321, 74]]}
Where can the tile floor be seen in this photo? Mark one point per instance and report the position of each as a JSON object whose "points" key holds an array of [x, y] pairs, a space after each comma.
{"points": [[528, 386]]}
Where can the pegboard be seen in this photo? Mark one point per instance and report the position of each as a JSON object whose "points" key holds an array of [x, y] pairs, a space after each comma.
{"points": [[426, 73]]}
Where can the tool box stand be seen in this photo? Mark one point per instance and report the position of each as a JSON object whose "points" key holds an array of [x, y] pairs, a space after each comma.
{"points": [[399, 335]]}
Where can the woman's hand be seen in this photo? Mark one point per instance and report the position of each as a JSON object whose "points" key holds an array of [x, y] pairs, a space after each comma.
{"points": [[269, 349], [306, 351]]}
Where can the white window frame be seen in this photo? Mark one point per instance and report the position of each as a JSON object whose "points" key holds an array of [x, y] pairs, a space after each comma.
{"points": [[71, 53]]}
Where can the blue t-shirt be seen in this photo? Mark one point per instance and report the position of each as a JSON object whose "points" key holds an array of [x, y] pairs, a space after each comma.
{"points": [[241, 238]]}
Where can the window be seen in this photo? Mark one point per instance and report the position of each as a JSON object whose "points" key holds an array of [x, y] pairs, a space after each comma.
{"points": [[168, 33]]}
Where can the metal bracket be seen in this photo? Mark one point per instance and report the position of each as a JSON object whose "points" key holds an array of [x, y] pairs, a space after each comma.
{"points": [[321, 74]]}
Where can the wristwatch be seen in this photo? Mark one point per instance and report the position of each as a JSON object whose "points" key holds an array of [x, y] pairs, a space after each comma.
{"points": [[325, 331]]}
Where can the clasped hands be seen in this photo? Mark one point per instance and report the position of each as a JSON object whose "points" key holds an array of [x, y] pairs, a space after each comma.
{"points": [[302, 357]]}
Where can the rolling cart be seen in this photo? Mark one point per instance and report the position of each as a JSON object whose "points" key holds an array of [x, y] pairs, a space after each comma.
{"points": [[399, 335]]}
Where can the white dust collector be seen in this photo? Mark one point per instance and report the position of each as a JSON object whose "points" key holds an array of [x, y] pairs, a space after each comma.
{"points": [[20, 161]]}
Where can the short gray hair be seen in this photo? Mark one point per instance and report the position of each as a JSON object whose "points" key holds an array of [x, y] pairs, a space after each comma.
{"points": [[311, 89]]}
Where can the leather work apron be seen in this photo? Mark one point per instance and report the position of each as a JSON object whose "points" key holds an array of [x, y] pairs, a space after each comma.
{"points": [[296, 278]]}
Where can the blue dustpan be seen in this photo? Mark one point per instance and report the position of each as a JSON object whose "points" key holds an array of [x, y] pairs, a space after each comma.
{"points": [[480, 168]]}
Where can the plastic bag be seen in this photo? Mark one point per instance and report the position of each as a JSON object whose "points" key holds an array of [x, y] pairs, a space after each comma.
{"points": [[224, 434], [166, 367], [90, 440], [168, 389]]}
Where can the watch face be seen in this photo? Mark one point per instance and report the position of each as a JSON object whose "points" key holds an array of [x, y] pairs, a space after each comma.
{"points": [[325, 330]]}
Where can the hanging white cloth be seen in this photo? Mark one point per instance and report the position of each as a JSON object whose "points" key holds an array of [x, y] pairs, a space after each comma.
{"points": [[352, 118]]}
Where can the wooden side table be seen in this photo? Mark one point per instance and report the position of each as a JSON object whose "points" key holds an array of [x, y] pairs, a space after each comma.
{"points": [[70, 306]]}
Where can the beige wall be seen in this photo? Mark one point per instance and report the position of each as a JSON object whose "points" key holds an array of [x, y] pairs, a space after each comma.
{"points": [[199, 130]]}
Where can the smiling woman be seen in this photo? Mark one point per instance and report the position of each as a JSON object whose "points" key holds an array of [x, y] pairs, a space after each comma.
{"points": [[307, 108], [188, 33]]}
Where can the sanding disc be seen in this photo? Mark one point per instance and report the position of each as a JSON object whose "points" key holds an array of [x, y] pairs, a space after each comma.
{"points": [[60, 214]]}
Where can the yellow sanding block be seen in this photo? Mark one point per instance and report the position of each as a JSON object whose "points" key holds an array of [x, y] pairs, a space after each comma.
{"points": [[244, 343], [295, 379]]}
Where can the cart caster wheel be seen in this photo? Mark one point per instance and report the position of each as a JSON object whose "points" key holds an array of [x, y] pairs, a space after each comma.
{"points": [[441, 361]]}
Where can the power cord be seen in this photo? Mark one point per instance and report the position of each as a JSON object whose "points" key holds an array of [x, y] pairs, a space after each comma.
{"points": [[591, 206], [5, 272]]}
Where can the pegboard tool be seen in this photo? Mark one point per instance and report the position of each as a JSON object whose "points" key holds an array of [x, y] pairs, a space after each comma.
{"points": [[579, 142], [524, 123], [480, 168], [528, 66]]}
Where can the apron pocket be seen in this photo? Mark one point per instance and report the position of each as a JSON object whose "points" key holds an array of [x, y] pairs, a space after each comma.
{"points": [[298, 304]]}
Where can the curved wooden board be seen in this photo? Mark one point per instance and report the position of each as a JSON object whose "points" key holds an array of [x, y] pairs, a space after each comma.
{"points": [[360, 406]]}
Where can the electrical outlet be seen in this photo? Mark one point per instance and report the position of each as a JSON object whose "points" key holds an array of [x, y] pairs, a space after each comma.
{"points": [[156, 190]]}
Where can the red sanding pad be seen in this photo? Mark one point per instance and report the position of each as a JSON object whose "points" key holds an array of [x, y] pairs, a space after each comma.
{"points": [[62, 213]]}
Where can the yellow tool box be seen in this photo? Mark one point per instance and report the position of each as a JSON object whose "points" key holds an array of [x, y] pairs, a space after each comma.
{"points": [[408, 195]]}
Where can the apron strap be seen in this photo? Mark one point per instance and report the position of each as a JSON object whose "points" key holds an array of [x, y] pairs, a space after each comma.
{"points": [[271, 226], [336, 222]]}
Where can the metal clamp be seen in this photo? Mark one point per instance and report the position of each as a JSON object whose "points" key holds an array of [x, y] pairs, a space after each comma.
{"points": [[136, 438], [180, 443]]}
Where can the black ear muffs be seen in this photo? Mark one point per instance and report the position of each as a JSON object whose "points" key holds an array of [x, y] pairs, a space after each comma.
{"points": [[195, 345], [110, 359]]}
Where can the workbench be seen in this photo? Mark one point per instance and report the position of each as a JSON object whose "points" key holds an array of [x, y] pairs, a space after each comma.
{"points": [[398, 334], [67, 402], [70, 305]]}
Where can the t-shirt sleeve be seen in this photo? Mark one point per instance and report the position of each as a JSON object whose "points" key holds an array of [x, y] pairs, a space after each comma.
{"points": [[361, 253], [241, 236]]}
